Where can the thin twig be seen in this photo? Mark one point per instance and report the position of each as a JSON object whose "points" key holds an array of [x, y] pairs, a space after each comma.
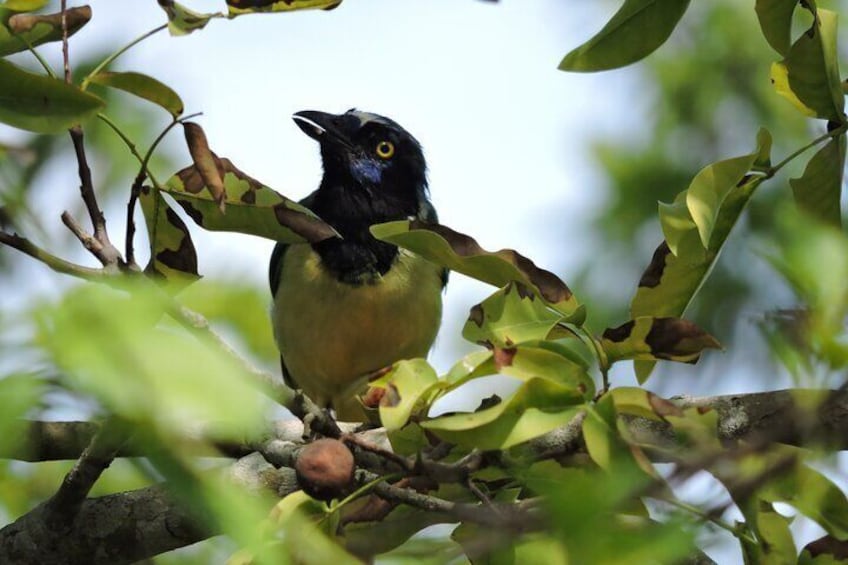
{"points": [[105, 62], [24, 245], [65, 58]]}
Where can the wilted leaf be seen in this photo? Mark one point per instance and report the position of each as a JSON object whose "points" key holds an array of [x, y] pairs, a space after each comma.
{"points": [[650, 339], [181, 20], [252, 6], [775, 18], [537, 407], [172, 252], [42, 104], [819, 190], [252, 207], [205, 163], [508, 317], [142, 86], [411, 383], [23, 31], [459, 252], [634, 32], [812, 72]]}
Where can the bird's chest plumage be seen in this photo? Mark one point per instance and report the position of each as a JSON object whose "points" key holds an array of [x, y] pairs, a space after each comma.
{"points": [[331, 332]]}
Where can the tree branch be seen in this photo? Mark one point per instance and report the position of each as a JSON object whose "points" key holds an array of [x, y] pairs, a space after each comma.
{"points": [[24, 245], [151, 520]]}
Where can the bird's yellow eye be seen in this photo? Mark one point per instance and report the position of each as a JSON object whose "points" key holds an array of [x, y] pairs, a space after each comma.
{"points": [[385, 149]]}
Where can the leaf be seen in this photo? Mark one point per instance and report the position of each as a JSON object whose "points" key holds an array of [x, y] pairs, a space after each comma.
{"points": [[22, 31], [508, 317], [252, 207], [143, 86], [473, 365], [407, 387], [172, 254], [537, 407], [635, 401], [531, 360], [237, 7], [23, 5], [42, 104], [634, 32], [812, 72], [819, 190], [776, 545], [650, 339], [775, 17], [205, 163], [671, 281], [183, 21], [459, 252]]}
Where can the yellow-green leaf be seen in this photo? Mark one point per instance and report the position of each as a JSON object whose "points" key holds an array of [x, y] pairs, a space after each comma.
{"points": [[461, 253], [42, 104], [172, 253], [143, 86], [650, 339], [634, 32], [182, 21], [408, 387], [237, 7]]}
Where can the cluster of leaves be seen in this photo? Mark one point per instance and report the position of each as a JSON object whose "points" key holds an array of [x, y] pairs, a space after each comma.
{"points": [[530, 329]]}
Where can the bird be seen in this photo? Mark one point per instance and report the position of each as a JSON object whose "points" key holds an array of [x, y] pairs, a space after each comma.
{"points": [[348, 307]]}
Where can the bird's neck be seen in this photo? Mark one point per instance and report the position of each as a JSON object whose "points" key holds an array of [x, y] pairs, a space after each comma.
{"points": [[357, 258]]}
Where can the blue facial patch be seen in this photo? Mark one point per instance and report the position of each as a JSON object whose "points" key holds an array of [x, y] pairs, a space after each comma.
{"points": [[366, 170]]}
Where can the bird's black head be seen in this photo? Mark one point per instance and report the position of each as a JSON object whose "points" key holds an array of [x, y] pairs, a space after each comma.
{"points": [[374, 172], [372, 166]]}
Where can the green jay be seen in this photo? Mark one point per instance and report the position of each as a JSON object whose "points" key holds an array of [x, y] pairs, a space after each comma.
{"points": [[345, 308]]}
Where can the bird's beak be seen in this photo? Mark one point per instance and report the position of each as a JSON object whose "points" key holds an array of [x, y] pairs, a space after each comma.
{"points": [[321, 127]]}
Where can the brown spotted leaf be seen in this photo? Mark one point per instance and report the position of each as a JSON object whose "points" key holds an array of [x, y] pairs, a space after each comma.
{"points": [[461, 253], [252, 207], [205, 163], [22, 31], [253, 6], [173, 256], [412, 383], [183, 21], [649, 339]]}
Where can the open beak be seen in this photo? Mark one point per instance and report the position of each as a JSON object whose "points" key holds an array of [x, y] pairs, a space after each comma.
{"points": [[321, 126]]}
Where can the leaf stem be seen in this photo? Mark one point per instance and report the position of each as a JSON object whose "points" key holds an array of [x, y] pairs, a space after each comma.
{"points": [[706, 516], [771, 171], [105, 62]]}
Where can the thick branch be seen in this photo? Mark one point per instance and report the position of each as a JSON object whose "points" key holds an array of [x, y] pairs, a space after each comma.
{"points": [[127, 527]]}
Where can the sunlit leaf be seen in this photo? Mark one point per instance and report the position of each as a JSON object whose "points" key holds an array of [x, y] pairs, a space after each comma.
{"points": [[251, 207], [649, 339], [22, 31], [23, 5], [254, 6], [537, 407], [812, 72], [42, 104], [635, 401], [407, 385], [819, 190], [634, 32], [142, 86], [508, 317], [181, 20], [775, 18], [459, 252], [173, 256]]}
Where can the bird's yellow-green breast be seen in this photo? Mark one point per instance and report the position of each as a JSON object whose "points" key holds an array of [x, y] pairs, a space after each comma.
{"points": [[332, 334]]}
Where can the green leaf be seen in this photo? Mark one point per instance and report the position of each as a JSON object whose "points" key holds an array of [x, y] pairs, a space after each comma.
{"points": [[182, 21], [508, 317], [143, 86], [531, 360], [172, 254], [408, 387], [42, 104], [109, 345], [680, 230], [237, 7], [671, 280], [776, 545], [19, 394], [711, 186], [22, 31], [775, 18], [819, 190], [537, 407], [23, 5], [459, 252], [812, 71], [251, 207], [634, 32], [650, 339], [635, 401], [473, 365]]}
